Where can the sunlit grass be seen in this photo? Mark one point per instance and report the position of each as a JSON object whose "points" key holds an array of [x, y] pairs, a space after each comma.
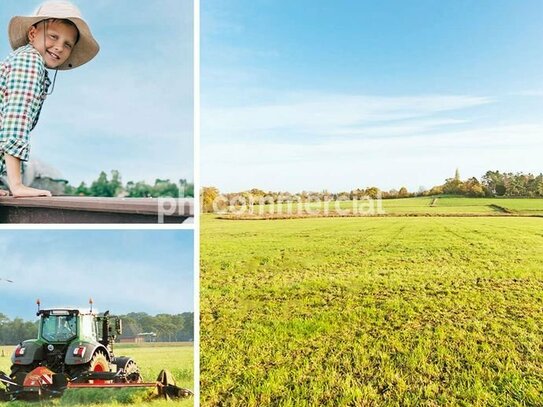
{"points": [[372, 311]]}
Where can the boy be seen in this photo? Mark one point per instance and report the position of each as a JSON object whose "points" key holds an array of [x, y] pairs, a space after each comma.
{"points": [[56, 37]]}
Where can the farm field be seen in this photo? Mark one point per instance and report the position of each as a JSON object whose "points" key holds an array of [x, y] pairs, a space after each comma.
{"points": [[390, 311], [152, 358], [446, 205]]}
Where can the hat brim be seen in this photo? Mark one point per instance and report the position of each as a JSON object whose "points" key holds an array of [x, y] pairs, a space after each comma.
{"points": [[85, 49]]}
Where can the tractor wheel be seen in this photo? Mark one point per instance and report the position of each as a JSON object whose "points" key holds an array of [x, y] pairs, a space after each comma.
{"points": [[98, 363], [132, 373], [18, 372]]}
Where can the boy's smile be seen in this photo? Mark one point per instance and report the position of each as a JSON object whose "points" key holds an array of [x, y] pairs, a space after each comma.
{"points": [[54, 40]]}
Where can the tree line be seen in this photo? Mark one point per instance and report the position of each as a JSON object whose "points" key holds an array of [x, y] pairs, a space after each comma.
{"points": [[491, 184], [167, 327], [17, 330], [113, 187]]}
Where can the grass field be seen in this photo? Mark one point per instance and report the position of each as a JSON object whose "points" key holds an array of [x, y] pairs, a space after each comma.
{"points": [[446, 205], [393, 311], [151, 358]]}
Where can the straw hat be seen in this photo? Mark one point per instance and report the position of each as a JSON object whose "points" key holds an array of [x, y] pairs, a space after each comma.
{"points": [[85, 49]]}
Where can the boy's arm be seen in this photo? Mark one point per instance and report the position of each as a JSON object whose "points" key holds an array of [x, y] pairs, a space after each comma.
{"points": [[13, 166], [23, 90]]}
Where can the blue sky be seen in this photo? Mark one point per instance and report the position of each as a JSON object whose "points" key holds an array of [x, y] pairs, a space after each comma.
{"points": [[122, 270], [312, 95], [130, 108]]}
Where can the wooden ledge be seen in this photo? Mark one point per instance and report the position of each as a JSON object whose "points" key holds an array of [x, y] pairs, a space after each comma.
{"points": [[75, 209]]}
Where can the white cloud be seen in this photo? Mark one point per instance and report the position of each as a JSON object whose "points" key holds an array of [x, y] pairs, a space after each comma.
{"points": [[326, 114]]}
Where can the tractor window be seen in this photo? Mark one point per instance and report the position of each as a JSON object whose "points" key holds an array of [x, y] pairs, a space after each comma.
{"points": [[98, 329], [58, 328], [88, 329]]}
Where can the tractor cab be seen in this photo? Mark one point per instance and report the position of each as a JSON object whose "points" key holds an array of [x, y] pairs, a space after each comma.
{"points": [[59, 325], [69, 341], [64, 325]]}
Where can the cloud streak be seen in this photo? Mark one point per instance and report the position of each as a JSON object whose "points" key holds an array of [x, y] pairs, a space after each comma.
{"points": [[368, 139], [328, 114]]}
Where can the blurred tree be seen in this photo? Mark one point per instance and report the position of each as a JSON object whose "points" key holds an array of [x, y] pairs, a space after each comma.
{"points": [[138, 190], [209, 194], [164, 188], [103, 187], [402, 193]]}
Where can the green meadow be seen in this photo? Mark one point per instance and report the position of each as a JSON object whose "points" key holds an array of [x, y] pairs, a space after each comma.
{"points": [[375, 311], [151, 358], [443, 205]]}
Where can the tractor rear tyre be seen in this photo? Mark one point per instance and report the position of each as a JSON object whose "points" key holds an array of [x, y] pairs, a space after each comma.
{"points": [[98, 363], [19, 372]]}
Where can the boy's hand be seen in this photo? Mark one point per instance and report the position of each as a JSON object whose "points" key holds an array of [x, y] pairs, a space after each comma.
{"points": [[13, 166], [4, 192], [21, 191]]}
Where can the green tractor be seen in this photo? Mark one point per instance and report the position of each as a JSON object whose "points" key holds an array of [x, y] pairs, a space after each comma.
{"points": [[74, 343], [74, 350]]}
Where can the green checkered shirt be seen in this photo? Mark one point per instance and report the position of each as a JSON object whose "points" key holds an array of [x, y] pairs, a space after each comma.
{"points": [[23, 88]]}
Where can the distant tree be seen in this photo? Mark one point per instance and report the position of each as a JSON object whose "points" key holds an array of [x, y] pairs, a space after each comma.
{"points": [[500, 190], [100, 187], [168, 327], [393, 193], [165, 188], [82, 189], [208, 196], [473, 187], [139, 190], [539, 185], [69, 190], [372, 192], [493, 183], [437, 190], [325, 195], [103, 187], [358, 193], [402, 193], [257, 193], [186, 189], [116, 184], [12, 332]]}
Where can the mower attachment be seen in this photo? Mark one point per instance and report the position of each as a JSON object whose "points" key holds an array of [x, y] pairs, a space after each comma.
{"points": [[42, 382]]}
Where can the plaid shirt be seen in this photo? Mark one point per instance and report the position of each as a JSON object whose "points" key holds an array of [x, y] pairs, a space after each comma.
{"points": [[23, 88]]}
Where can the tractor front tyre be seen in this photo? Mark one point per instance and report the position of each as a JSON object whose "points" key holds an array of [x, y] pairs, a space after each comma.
{"points": [[18, 372]]}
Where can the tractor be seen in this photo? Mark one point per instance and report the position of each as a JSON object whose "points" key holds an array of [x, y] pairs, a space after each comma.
{"points": [[73, 342], [74, 349]]}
